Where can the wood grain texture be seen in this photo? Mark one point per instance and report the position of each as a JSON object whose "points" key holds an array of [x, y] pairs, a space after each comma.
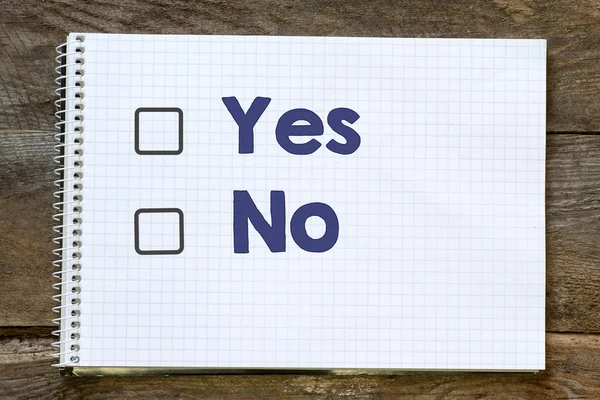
{"points": [[29, 30], [572, 373], [572, 208], [573, 233], [26, 176]]}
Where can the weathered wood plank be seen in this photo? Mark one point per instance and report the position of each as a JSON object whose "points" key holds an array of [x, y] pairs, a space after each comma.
{"points": [[572, 372], [573, 233], [30, 29], [26, 174], [572, 208]]}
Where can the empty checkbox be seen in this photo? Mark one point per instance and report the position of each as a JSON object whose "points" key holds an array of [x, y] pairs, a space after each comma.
{"points": [[158, 231], [158, 131]]}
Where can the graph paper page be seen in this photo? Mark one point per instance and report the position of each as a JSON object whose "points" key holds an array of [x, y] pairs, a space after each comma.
{"points": [[303, 202]]}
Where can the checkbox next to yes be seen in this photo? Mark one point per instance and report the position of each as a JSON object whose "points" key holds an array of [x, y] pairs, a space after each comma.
{"points": [[158, 131]]}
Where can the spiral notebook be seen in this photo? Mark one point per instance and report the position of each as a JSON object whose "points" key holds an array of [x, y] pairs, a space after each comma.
{"points": [[241, 203]]}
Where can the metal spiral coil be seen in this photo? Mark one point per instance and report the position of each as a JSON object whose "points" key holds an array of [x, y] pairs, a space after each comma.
{"points": [[69, 196]]}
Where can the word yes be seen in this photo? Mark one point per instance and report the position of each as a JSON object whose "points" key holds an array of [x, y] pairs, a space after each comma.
{"points": [[286, 127]]}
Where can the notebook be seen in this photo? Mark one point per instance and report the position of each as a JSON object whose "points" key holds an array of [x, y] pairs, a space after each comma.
{"points": [[242, 203]]}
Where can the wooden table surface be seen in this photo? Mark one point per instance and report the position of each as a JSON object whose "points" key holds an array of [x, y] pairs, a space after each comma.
{"points": [[29, 31]]}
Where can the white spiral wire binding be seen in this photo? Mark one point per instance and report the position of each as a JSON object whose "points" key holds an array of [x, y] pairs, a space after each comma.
{"points": [[67, 218]]}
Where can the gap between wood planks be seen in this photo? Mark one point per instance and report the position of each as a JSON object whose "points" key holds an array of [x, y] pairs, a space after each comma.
{"points": [[46, 331], [34, 343]]}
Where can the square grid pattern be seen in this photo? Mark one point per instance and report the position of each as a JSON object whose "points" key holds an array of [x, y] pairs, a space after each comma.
{"points": [[440, 260]]}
